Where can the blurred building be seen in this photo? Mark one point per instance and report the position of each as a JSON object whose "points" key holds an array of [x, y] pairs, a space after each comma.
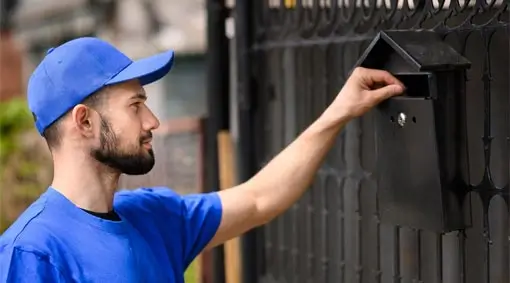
{"points": [[139, 28]]}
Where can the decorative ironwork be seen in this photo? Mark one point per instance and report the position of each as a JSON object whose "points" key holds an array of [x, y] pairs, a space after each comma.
{"points": [[300, 54]]}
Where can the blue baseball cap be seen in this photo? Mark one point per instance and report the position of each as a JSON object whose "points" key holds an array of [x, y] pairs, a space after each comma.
{"points": [[76, 69]]}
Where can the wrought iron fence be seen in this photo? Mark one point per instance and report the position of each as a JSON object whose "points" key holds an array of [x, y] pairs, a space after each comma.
{"points": [[299, 55]]}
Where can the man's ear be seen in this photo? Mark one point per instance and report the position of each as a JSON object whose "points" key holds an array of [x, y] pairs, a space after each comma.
{"points": [[83, 120]]}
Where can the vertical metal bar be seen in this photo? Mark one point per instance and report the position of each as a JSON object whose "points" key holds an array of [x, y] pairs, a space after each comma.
{"points": [[245, 154], [217, 104], [6, 9]]}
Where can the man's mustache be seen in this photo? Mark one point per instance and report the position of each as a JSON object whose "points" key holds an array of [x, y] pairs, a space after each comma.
{"points": [[147, 137]]}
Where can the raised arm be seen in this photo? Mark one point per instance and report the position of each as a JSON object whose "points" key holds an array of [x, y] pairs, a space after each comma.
{"points": [[287, 176]]}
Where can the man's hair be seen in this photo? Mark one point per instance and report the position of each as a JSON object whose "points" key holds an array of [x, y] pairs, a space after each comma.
{"points": [[52, 133]]}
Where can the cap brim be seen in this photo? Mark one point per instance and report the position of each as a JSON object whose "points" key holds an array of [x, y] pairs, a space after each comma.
{"points": [[146, 70]]}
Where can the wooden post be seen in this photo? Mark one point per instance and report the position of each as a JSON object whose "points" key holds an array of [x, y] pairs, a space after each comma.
{"points": [[227, 172]]}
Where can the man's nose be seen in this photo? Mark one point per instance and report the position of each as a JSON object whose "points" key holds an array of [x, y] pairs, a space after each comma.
{"points": [[151, 121]]}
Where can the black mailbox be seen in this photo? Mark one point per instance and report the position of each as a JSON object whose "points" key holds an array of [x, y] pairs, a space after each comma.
{"points": [[419, 134]]}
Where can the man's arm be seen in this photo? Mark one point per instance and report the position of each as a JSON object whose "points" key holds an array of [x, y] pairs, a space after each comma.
{"points": [[287, 176]]}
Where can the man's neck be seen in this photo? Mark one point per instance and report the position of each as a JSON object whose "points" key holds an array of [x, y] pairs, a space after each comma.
{"points": [[87, 183]]}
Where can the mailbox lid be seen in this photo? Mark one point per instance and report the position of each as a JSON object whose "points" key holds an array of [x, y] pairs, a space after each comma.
{"points": [[416, 50], [409, 184]]}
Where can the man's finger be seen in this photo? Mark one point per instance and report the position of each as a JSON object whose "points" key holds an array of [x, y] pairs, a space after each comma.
{"points": [[375, 76], [387, 91]]}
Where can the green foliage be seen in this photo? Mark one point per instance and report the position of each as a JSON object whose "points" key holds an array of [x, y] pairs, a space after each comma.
{"points": [[14, 119], [24, 169]]}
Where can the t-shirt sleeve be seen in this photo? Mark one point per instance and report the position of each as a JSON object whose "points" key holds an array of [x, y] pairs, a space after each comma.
{"points": [[18, 265], [202, 216], [194, 217]]}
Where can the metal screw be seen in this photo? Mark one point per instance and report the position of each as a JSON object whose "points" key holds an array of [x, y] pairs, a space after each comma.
{"points": [[401, 120]]}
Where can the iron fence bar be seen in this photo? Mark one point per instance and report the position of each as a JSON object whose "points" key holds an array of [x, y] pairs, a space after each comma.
{"points": [[217, 109], [245, 146], [6, 9]]}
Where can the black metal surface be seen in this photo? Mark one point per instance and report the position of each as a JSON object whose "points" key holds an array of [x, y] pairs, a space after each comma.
{"points": [[217, 109], [409, 191], [300, 57], [246, 141]]}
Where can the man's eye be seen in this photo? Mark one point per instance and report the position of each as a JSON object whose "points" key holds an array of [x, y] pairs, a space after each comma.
{"points": [[136, 106]]}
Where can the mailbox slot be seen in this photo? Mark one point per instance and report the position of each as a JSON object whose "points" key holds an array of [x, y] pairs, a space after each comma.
{"points": [[417, 84]]}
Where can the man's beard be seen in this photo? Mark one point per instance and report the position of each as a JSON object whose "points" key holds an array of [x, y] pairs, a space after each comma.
{"points": [[110, 154]]}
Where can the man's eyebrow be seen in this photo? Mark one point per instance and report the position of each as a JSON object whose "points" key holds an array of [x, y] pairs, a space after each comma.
{"points": [[139, 95]]}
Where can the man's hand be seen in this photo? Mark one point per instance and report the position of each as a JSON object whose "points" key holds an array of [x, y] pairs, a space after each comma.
{"points": [[364, 89], [283, 180]]}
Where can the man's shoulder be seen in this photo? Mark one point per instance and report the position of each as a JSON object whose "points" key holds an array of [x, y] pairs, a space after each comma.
{"points": [[29, 230], [149, 198], [146, 196], [28, 245], [146, 192], [162, 203], [147, 201]]}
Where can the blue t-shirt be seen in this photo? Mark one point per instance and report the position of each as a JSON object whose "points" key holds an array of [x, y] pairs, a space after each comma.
{"points": [[159, 235]]}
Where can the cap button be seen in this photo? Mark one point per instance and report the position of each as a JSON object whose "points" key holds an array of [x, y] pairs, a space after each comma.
{"points": [[50, 50]]}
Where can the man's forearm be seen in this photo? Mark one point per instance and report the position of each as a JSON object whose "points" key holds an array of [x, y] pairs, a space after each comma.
{"points": [[287, 176]]}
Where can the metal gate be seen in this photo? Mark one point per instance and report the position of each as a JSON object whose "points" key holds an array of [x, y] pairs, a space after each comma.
{"points": [[293, 58]]}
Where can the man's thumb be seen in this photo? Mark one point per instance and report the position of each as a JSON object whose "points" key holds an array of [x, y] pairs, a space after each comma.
{"points": [[388, 91]]}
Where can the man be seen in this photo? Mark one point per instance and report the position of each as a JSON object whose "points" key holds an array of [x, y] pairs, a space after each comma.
{"points": [[88, 102]]}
